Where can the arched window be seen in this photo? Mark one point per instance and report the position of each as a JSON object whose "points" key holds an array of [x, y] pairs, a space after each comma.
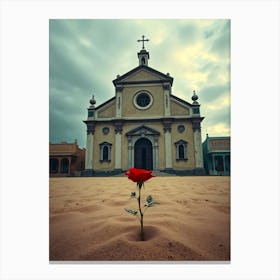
{"points": [[181, 150], [64, 165], [105, 151], [53, 165]]}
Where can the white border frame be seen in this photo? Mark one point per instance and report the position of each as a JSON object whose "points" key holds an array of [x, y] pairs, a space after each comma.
{"points": [[255, 188]]}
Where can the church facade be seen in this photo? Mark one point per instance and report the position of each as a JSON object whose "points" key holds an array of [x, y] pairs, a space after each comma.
{"points": [[144, 126]]}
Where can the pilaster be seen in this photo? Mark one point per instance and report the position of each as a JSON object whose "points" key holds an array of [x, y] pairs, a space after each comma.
{"points": [[119, 90], [197, 143], [155, 154], [168, 146], [118, 145], [166, 91], [89, 146], [130, 150]]}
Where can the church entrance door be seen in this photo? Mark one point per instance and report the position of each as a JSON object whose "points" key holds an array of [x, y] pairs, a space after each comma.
{"points": [[143, 154]]}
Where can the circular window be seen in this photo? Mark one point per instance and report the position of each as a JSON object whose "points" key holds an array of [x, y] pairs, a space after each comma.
{"points": [[143, 100], [181, 128], [105, 130]]}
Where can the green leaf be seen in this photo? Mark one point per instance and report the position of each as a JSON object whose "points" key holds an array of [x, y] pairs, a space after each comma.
{"points": [[153, 203], [132, 212], [149, 199]]}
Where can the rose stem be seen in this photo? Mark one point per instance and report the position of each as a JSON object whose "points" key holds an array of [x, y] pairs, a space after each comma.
{"points": [[141, 214]]}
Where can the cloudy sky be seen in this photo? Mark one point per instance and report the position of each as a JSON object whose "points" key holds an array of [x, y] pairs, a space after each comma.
{"points": [[86, 55]]}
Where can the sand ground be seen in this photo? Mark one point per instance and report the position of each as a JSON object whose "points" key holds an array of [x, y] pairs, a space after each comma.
{"points": [[88, 220]]}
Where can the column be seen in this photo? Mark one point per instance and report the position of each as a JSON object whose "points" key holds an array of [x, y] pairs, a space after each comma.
{"points": [[89, 149], [168, 145], [69, 163], [118, 146]]}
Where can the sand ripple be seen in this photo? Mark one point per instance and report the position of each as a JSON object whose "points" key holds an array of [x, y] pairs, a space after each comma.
{"points": [[88, 221]]}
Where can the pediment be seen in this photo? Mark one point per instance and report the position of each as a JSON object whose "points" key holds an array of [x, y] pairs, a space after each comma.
{"points": [[143, 131], [143, 74], [107, 109], [181, 142], [179, 107]]}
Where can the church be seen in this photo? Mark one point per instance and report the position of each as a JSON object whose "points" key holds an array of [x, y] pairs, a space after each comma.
{"points": [[144, 126]]}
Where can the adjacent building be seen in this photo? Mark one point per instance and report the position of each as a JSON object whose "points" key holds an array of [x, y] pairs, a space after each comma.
{"points": [[216, 155], [66, 159]]}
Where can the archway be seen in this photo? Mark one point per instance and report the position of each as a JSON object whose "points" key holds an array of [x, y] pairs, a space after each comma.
{"points": [[143, 154], [64, 165], [53, 165]]}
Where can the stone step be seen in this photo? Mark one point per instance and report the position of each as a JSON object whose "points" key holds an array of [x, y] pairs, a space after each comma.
{"points": [[155, 173], [160, 173]]}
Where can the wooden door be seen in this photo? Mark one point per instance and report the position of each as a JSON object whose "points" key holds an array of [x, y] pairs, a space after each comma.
{"points": [[143, 154]]}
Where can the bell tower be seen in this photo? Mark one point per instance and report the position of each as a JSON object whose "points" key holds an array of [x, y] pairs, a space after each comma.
{"points": [[143, 55]]}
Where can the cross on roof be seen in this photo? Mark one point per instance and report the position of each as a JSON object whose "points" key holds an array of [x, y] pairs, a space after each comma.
{"points": [[143, 40]]}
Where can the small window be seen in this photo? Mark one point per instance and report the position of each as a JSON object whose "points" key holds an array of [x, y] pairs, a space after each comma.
{"points": [[90, 114], [181, 150], [196, 110], [105, 151]]}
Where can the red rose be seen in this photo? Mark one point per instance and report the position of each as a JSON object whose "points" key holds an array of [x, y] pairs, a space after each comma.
{"points": [[139, 175]]}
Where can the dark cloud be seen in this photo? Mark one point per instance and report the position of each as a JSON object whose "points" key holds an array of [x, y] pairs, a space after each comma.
{"points": [[219, 116], [208, 34], [221, 44], [209, 67], [187, 33], [66, 129], [63, 68], [216, 70], [212, 93], [66, 118], [86, 55], [76, 72], [212, 118]]}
